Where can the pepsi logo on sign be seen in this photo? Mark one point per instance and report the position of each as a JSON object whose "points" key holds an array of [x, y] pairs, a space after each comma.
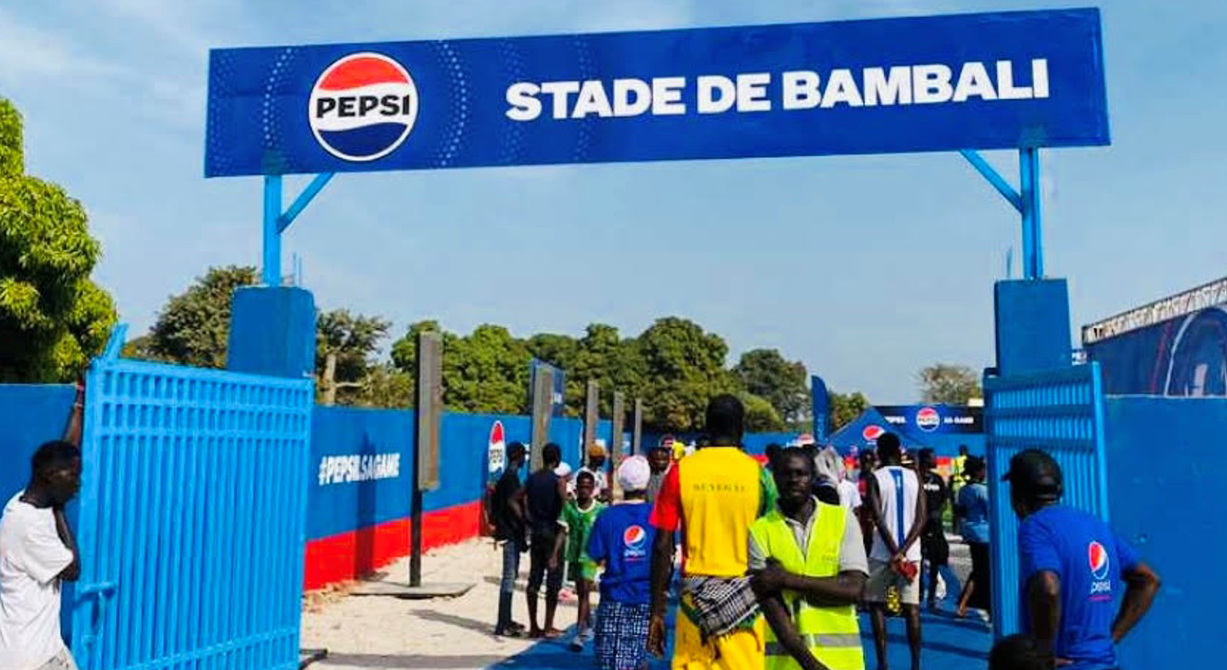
{"points": [[872, 432], [1098, 557], [363, 107], [497, 449], [927, 419]]}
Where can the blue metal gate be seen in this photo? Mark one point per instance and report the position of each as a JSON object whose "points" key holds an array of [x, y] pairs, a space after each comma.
{"points": [[1061, 412], [192, 518]]}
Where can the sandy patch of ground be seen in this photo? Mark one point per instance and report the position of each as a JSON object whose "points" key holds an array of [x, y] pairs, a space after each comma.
{"points": [[363, 632]]}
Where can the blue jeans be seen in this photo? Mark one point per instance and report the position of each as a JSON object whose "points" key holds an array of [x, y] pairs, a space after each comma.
{"points": [[507, 585], [511, 566]]}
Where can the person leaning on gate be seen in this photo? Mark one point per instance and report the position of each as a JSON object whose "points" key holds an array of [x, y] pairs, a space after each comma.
{"points": [[808, 568], [507, 509], [713, 496], [37, 553], [1072, 565]]}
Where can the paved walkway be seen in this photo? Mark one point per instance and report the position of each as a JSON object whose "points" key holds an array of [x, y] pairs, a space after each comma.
{"points": [[949, 644], [455, 634]]}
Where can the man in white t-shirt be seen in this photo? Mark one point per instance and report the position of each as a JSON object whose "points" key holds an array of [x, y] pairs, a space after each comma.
{"points": [[897, 509], [37, 552]]}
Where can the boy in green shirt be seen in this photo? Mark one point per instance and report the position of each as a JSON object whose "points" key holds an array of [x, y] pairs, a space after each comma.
{"points": [[576, 523]]}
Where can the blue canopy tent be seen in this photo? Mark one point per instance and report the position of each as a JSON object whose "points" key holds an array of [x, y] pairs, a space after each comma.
{"points": [[864, 429]]}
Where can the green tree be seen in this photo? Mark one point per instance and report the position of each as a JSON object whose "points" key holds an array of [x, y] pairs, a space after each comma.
{"points": [[344, 346], [386, 387], [845, 408], [683, 369], [615, 363], [761, 417], [485, 371], [946, 383], [784, 384], [53, 318], [194, 326]]}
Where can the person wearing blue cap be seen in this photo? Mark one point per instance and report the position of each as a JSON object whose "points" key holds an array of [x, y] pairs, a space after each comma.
{"points": [[1072, 565]]}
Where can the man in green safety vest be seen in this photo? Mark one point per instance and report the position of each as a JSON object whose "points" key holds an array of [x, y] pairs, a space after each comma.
{"points": [[809, 567]]}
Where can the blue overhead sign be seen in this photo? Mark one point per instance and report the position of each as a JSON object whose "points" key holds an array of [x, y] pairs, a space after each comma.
{"points": [[973, 81]]}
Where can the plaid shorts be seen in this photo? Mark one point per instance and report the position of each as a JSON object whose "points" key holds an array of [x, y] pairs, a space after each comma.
{"points": [[621, 636]]}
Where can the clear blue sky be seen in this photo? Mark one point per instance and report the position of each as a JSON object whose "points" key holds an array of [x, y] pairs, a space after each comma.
{"points": [[865, 268]]}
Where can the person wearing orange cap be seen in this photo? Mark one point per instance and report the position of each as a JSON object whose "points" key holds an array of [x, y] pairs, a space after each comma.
{"points": [[596, 467]]}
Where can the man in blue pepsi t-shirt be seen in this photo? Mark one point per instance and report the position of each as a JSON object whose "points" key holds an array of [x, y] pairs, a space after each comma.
{"points": [[621, 540], [1072, 566]]}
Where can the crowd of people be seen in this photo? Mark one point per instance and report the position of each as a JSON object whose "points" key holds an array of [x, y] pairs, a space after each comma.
{"points": [[775, 560], [771, 563]]}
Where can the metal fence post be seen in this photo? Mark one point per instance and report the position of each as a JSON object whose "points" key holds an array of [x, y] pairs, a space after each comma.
{"points": [[427, 415], [591, 417]]}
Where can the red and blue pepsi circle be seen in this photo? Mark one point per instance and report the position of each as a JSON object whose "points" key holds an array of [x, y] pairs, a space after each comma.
{"points": [[928, 419], [363, 107], [1098, 557], [635, 538], [872, 432]]}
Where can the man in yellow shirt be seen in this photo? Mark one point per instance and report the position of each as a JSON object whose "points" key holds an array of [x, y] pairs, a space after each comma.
{"points": [[712, 496]]}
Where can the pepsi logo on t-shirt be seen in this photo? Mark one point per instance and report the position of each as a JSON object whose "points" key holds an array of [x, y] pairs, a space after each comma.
{"points": [[634, 542]]}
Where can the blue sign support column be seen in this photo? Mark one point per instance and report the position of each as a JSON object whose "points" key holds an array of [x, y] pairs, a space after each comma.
{"points": [[1027, 202], [275, 221]]}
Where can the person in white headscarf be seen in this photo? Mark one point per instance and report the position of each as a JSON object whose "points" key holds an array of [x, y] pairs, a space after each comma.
{"points": [[831, 481]]}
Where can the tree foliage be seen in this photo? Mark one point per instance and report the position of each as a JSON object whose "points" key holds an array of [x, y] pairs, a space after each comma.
{"points": [[53, 318], [761, 416], [946, 383], [783, 383], [685, 367], [845, 408], [345, 346], [674, 366], [194, 326]]}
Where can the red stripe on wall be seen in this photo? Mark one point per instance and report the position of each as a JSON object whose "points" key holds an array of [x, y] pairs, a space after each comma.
{"points": [[359, 553]]}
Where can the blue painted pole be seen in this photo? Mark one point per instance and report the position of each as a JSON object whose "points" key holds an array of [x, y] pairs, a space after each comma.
{"points": [[271, 272], [1029, 180]]}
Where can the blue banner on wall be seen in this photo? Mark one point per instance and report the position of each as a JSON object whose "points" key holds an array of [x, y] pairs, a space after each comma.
{"points": [[934, 419], [1184, 356], [973, 81]]}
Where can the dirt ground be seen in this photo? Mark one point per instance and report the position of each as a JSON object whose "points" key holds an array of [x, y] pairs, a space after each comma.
{"points": [[362, 632]]}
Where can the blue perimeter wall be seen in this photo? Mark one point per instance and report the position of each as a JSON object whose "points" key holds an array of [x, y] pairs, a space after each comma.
{"points": [[1165, 491]]}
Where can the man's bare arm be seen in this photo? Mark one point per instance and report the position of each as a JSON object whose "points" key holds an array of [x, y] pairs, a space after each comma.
{"points": [[842, 589], [662, 571], [73, 571], [1044, 605], [1142, 584], [921, 515]]}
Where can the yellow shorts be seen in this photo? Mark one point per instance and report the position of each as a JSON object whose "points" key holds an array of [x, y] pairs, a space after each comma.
{"points": [[736, 651]]}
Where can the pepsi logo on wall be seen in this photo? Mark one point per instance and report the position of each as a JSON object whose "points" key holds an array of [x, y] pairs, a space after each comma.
{"points": [[936, 418], [928, 419], [496, 451], [363, 106]]}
